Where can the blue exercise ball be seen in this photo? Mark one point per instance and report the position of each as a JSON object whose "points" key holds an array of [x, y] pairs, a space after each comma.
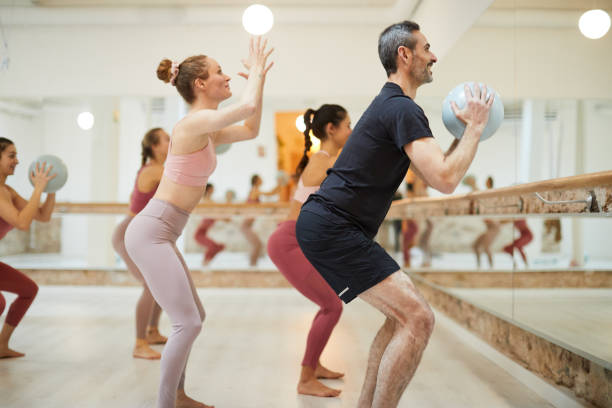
{"points": [[222, 148], [456, 126], [59, 168]]}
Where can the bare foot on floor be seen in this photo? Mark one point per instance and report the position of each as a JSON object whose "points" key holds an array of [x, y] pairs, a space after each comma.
{"points": [[183, 401], [316, 388], [6, 352], [322, 372], [146, 352], [155, 337]]}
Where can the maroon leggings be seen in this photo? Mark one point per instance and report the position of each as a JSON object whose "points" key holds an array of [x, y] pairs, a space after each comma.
{"points": [[525, 238], [11, 280], [201, 234], [286, 254], [410, 231]]}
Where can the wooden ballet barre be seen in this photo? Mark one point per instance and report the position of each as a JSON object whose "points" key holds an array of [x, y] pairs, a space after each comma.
{"points": [[584, 194], [210, 210]]}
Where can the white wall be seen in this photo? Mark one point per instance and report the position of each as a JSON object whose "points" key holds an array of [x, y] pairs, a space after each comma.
{"points": [[310, 60], [25, 130], [110, 69]]}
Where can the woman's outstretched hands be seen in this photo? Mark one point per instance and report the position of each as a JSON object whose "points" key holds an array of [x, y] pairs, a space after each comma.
{"points": [[256, 61], [40, 175]]}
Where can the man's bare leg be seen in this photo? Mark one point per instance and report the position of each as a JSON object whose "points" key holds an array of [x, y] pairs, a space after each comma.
{"points": [[398, 299], [376, 351]]}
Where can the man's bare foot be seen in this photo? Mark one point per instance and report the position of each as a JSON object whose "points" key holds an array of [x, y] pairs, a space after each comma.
{"points": [[143, 350], [183, 401], [155, 337], [316, 388], [322, 372], [6, 352]]}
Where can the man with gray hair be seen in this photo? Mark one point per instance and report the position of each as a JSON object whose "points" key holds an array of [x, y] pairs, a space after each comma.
{"points": [[337, 225]]}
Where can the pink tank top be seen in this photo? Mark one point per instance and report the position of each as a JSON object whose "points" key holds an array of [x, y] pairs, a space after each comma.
{"points": [[5, 227], [302, 192], [191, 169], [138, 199]]}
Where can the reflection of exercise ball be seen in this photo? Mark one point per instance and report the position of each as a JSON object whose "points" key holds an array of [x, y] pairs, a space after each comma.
{"points": [[222, 148], [456, 126], [59, 168], [282, 177]]}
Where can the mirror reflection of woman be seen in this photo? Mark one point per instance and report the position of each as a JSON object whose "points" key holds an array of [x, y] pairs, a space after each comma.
{"points": [[154, 151], [201, 234], [254, 197], [17, 212]]}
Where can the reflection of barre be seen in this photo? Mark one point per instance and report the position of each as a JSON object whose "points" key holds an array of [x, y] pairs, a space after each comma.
{"points": [[563, 192], [591, 202], [518, 205], [210, 210]]}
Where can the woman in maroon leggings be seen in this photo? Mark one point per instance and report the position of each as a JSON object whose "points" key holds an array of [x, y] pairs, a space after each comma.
{"points": [[16, 212], [154, 152], [330, 124], [523, 239]]}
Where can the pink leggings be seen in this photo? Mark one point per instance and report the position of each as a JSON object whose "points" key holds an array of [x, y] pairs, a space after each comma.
{"points": [[147, 309], [150, 241], [286, 254], [11, 280]]}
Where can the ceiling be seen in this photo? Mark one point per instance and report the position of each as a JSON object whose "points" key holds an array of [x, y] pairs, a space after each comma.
{"points": [[497, 4], [551, 4], [200, 3]]}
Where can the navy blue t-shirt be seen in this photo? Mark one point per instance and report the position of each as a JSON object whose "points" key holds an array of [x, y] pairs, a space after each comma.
{"points": [[373, 162]]}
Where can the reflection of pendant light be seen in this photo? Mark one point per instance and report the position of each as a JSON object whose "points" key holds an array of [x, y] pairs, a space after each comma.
{"points": [[85, 120], [299, 123], [257, 19], [594, 24]]}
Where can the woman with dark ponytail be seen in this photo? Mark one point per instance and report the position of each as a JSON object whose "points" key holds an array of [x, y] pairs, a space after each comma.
{"points": [[154, 152], [331, 124]]}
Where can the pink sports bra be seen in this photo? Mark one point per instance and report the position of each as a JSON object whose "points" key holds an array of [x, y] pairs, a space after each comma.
{"points": [[191, 169], [138, 199], [302, 192], [5, 227]]}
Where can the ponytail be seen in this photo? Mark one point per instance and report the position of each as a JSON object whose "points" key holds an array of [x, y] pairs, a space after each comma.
{"points": [[308, 118], [150, 139]]}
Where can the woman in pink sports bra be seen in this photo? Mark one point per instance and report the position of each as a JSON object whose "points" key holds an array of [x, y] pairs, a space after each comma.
{"points": [[16, 212], [154, 151], [151, 236], [332, 125]]}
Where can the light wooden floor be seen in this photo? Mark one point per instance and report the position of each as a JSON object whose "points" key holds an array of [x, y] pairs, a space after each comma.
{"points": [[579, 318], [78, 342]]}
